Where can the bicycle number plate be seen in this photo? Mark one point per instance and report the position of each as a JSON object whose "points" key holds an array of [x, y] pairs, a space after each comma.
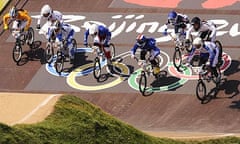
{"points": [[196, 69]]}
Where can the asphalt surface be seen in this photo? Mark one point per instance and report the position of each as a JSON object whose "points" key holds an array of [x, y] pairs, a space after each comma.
{"points": [[176, 109]]}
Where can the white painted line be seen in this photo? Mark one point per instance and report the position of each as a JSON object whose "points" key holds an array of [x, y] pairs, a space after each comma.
{"points": [[202, 137], [36, 109]]}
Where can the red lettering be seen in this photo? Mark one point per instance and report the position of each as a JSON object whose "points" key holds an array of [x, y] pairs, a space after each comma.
{"points": [[156, 3], [212, 4]]}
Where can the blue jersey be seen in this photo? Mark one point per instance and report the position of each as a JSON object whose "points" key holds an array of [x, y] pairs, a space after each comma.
{"points": [[150, 45], [181, 22], [103, 34]]}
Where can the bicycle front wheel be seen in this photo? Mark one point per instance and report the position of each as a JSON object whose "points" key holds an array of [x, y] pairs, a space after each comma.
{"points": [[188, 48], [219, 45], [142, 83], [201, 90], [17, 53], [49, 53], [112, 49], [97, 68], [59, 63], [177, 58], [74, 44], [30, 37]]}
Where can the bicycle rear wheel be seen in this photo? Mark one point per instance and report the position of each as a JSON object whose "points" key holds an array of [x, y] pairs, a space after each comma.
{"points": [[49, 53], [188, 48], [142, 83], [177, 58], [74, 44], [201, 90], [17, 52], [219, 45], [217, 80], [59, 63], [30, 37], [112, 48], [97, 68]]}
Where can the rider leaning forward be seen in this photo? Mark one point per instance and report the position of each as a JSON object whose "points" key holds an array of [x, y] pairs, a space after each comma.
{"points": [[21, 19]]}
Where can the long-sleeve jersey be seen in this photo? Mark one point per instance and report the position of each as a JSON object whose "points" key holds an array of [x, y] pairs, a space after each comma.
{"points": [[22, 16], [149, 45], [181, 22], [208, 49], [66, 32], [56, 15], [103, 33], [205, 26]]}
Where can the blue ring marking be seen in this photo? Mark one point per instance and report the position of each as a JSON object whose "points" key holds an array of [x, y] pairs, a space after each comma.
{"points": [[51, 69]]}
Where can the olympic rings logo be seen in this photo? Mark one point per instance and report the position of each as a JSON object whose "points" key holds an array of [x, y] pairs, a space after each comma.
{"points": [[71, 77]]}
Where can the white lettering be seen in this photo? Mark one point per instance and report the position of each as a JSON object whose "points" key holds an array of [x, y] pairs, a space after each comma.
{"points": [[152, 29], [223, 24], [234, 31], [143, 27]]}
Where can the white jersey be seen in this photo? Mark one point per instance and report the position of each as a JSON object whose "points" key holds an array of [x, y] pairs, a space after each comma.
{"points": [[56, 15], [205, 26]]}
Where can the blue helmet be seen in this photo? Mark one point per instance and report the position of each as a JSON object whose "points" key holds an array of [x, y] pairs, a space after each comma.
{"points": [[172, 16]]}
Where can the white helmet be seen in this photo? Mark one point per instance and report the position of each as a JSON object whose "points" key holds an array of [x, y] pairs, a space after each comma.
{"points": [[46, 11], [197, 41], [93, 29]]}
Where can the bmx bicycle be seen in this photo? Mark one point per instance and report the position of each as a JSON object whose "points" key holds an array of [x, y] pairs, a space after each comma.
{"points": [[178, 60], [22, 37], [148, 70], [62, 55], [51, 45], [206, 76], [97, 69], [180, 47]]}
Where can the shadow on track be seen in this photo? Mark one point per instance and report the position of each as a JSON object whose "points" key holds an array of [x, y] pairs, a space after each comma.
{"points": [[234, 68], [79, 60], [34, 54]]}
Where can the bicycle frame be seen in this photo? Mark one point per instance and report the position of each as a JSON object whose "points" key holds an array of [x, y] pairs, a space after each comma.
{"points": [[179, 40], [205, 73], [145, 65], [17, 34]]}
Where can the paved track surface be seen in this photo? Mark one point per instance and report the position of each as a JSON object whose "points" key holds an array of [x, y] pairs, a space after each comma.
{"points": [[175, 110]]}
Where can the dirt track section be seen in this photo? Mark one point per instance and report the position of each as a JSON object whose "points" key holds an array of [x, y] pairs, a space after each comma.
{"points": [[25, 108]]}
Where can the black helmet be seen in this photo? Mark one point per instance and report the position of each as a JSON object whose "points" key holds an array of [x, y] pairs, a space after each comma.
{"points": [[196, 22]]}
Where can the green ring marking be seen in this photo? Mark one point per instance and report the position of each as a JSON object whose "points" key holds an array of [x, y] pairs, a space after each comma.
{"points": [[133, 83]]}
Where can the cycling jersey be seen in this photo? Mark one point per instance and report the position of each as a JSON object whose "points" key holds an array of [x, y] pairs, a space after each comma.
{"points": [[206, 28], [181, 22], [210, 50], [150, 45], [103, 34], [21, 16]]}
